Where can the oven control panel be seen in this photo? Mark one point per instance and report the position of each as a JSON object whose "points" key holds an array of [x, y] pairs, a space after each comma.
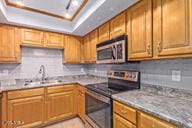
{"points": [[124, 75]]}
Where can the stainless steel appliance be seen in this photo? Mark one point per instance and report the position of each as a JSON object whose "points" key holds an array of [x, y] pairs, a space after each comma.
{"points": [[98, 97], [112, 51]]}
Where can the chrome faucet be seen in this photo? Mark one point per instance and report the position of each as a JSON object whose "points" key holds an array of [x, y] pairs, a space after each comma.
{"points": [[42, 71]]}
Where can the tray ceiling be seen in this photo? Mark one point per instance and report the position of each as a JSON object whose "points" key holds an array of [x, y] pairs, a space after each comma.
{"points": [[64, 9], [92, 14]]}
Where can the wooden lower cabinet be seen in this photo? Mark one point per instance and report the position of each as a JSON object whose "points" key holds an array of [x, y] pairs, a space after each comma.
{"points": [[28, 110], [81, 102], [60, 105], [124, 115], [120, 122]]}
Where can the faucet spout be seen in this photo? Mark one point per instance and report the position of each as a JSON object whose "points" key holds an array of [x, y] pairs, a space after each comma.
{"points": [[42, 71]]}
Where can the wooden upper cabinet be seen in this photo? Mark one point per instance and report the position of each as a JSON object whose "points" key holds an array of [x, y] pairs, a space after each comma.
{"points": [[72, 51], [9, 44], [54, 40], [104, 33], [32, 37], [118, 25], [93, 43], [172, 28], [30, 110], [86, 49], [139, 30]]}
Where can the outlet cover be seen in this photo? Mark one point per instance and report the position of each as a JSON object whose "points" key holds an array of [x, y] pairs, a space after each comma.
{"points": [[176, 75], [82, 69]]}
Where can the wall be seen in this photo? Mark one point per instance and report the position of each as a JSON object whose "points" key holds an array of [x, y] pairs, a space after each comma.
{"points": [[33, 58], [154, 72]]}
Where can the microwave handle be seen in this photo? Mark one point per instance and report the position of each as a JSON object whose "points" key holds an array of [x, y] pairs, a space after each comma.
{"points": [[114, 52]]}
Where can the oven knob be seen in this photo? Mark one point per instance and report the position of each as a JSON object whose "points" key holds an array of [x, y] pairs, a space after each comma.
{"points": [[130, 75]]}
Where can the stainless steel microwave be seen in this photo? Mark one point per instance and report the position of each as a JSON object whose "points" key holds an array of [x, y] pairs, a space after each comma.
{"points": [[112, 51]]}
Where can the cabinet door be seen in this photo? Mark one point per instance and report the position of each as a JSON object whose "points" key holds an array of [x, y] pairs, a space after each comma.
{"points": [[60, 105], [81, 103], [29, 110], [93, 42], [104, 32], [54, 40], [139, 30], [86, 47], [72, 51], [120, 122], [9, 44], [146, 121], [32, 37], [117, 25], [172, 28]]}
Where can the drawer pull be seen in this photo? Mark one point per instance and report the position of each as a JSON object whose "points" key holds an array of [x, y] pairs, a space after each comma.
{"points": [[123, 111]]}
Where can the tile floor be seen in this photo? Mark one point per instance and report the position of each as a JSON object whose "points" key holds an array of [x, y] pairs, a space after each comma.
{"points": [[72, 123]]}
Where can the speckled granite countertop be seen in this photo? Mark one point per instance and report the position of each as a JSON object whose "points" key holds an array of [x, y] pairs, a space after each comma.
{"points": [[81, 79], [172, 105]]}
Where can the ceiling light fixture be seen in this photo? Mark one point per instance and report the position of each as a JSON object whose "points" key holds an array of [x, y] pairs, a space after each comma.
{"points": [[67, 15], [75, 3], [20, 2]]}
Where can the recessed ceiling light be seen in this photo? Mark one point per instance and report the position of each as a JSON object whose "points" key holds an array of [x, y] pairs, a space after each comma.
{"points": [[67, 15], [20, 2], [75, 2]]}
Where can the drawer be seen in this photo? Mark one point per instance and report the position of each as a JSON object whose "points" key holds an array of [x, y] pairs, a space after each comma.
{"points": [[148, 121], [125, 111], [119, 122], [61, 88], [25, 93]]}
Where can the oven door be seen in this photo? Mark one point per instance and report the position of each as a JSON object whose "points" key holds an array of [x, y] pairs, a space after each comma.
{"points": [[98, 110], [106, 54]]}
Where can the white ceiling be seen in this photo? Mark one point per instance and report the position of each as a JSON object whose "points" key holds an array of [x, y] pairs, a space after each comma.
{"points": [[93, 14]]}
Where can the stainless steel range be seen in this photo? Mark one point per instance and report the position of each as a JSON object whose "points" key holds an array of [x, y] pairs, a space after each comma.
{"points": [[98, 97]]}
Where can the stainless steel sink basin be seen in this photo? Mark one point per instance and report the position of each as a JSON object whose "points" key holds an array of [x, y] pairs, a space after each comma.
{"points": [[36, 83]]}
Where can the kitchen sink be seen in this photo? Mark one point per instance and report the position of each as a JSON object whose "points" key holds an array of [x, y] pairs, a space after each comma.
{"points": [[36, 83]]}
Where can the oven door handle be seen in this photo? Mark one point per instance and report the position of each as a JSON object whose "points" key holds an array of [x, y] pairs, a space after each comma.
{"points": [[98, 96]]}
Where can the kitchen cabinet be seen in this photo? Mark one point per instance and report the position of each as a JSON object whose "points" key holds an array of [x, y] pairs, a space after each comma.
{"points": [[139, 30], [120, 122], [93, 43], [9, 44], [26, 106], [86, 49], [147, 121], [118, 25], [61, 102], [104, 33], [172, 28], [81, 102], [54, 40], [72, 51], [31, 37]]}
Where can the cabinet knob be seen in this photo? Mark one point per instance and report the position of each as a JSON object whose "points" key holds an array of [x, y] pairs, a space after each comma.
{"points": [[149, 49]]}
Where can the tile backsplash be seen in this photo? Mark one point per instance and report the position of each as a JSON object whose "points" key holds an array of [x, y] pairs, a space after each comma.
{"points": [[152, 72], [33, 58], [157, 72]]}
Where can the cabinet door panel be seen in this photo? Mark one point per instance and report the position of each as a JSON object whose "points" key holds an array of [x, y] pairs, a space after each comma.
{"points": [[60, 105], [93, 43], [9, 44], [120, 122], [104, 33], [172, 28], [72, 51], [32, 37], [117, 26], [146, 121], [54, 40], [139, 28], [29, 110]]}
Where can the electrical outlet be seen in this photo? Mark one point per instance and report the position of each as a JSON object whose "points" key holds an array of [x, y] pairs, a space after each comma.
{"points": [[95, 70], [176, 75], [82, 69]]}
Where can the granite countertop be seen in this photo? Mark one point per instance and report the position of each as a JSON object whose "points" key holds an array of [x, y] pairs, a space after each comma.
{"points": [[81, 79], [172, 105]]}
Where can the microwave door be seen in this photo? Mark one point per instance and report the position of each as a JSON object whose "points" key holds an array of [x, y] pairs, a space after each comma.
{"points": [[106, 54]]}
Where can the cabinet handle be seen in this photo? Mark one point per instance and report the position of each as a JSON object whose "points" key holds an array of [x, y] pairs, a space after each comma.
{"points": [[42, 40], [123, 111], [159, 47], [149, 49]]}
